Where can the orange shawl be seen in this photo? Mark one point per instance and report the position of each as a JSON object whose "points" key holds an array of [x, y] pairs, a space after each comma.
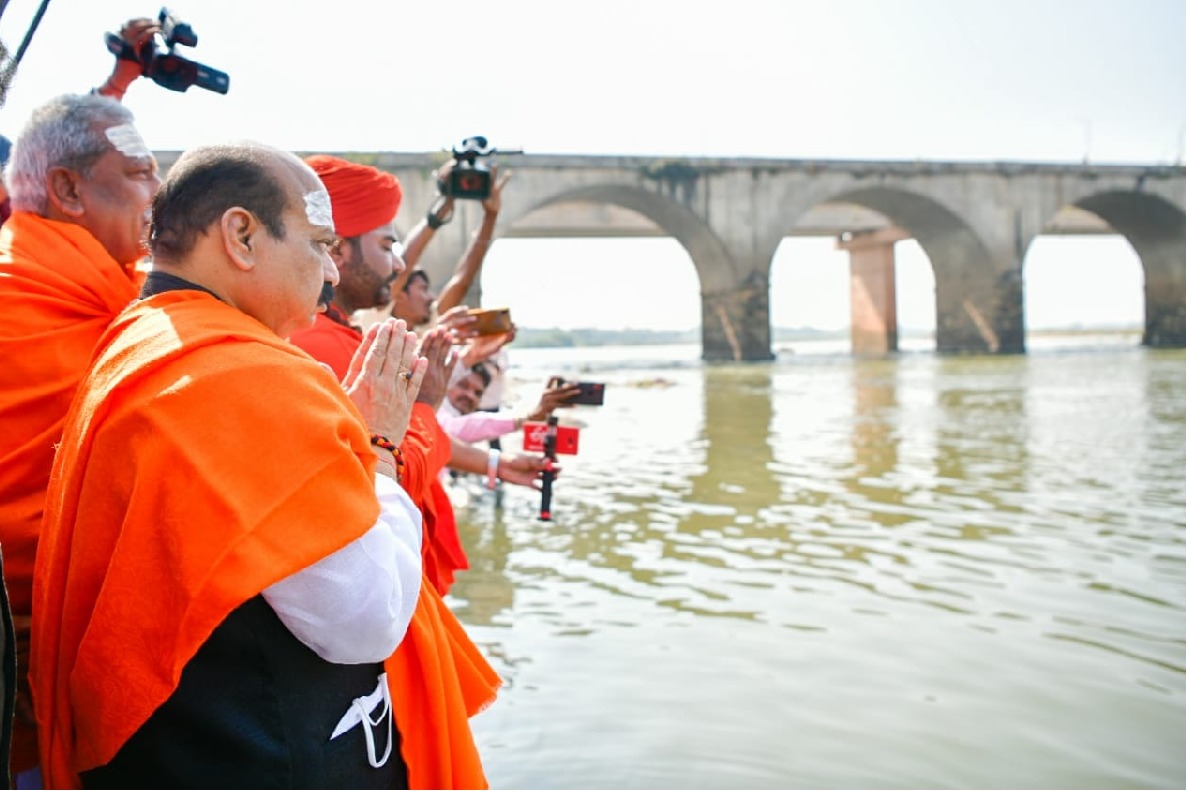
{"points": [[330, 342], [59, 289], [439, 679], [427, 449], [204, 460], [128, 470]]}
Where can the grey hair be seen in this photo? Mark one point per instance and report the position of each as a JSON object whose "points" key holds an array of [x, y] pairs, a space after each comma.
{"points": [[67, 131]]}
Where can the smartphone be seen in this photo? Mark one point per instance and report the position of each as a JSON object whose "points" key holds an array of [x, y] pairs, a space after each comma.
{"points": [[491, 321], [591, 394]]}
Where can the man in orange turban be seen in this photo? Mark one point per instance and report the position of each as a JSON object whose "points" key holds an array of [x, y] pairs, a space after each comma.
{"points": [[80, 180], [365, 201]]}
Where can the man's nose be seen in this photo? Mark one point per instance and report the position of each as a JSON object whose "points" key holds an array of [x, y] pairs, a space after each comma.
{"points": [[329, 271]]}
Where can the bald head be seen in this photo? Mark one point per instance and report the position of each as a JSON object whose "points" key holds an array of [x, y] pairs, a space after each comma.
{"points": [[251, 223]]}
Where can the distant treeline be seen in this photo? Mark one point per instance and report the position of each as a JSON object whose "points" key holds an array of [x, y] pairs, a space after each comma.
{"points": [[532, 337], [529, 337]]}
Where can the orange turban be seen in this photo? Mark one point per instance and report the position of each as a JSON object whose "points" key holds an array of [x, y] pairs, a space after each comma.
{"points": [[363, 197]]}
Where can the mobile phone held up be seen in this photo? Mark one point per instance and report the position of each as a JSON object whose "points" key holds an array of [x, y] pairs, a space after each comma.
{"points": [[590, 394], [491, 321]]}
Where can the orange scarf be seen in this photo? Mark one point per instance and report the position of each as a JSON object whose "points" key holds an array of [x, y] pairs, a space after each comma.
{"points": [[438, 680], [168, 509], [193, 474], [427, 449], [437, 675], [59, 289]]}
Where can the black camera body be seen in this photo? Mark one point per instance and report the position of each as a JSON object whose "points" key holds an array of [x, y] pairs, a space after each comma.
{"points": [[159, 62], [469, 179]]}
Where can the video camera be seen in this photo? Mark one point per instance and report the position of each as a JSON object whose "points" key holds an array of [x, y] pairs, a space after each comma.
{"points": [[165, 67], [469, 179]]}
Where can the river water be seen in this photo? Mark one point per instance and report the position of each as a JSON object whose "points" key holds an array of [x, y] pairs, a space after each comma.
{"points": [[824, 572]]}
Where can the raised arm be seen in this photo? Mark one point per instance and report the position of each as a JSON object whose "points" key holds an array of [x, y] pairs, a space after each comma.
{"points": [[470, 264], [422, 233], [438, 214], [135, 33]]}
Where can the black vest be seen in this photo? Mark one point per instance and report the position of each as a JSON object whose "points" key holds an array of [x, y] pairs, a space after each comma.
{"points": [[255, 708]]}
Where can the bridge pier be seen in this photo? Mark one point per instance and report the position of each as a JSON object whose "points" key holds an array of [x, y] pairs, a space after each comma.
{"points": [[1165, 308], [978, 309], [873, 290], [735, 324]]}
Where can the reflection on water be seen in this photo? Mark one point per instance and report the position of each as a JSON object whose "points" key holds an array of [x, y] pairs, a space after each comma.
{"points": [[827, 572]]}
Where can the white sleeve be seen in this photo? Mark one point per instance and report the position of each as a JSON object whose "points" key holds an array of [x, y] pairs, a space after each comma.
{"points": [[354, 605]]}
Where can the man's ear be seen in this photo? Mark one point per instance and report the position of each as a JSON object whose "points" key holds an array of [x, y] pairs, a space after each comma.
{"points": [[64, 192], [240, 236]]}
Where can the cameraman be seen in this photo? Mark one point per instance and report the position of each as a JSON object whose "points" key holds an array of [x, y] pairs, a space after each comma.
{"points": [[414, 301]]}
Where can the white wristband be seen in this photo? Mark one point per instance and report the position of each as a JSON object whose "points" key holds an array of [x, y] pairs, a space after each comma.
{"points": [[492, 468]]}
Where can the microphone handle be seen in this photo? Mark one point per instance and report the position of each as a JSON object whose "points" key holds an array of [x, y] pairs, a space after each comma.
{"points": [[545, 505]]}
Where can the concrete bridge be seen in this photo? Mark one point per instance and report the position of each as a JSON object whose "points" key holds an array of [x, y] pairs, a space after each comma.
{"points": [[974, 220]]}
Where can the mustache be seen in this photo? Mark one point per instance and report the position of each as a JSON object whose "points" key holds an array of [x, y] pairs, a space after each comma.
{"points": [[327, 294]]}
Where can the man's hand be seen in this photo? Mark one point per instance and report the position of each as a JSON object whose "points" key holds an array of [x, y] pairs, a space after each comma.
{"points": [[461, 326], [136, 33], [483, 347], [554, 395], [524, 469], [493, 202], [437, 349], [378, 380]]}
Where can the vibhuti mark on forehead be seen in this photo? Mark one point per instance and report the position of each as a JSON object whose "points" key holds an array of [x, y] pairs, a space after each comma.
{"points": [[126, 140], [318, 209]]}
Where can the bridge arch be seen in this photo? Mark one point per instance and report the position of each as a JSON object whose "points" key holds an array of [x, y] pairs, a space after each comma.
{"points": [[714, 266], [723, 335], [1156, 229], [977, 298]]}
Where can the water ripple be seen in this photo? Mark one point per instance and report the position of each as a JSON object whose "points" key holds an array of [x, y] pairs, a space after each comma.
{"points": [[893, 560]]}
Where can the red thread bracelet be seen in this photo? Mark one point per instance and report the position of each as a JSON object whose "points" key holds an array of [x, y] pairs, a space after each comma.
{"points": [[380, 441]]}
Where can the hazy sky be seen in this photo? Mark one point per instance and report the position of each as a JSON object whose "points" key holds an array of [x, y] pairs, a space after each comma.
{"points": [[853, 79]]}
